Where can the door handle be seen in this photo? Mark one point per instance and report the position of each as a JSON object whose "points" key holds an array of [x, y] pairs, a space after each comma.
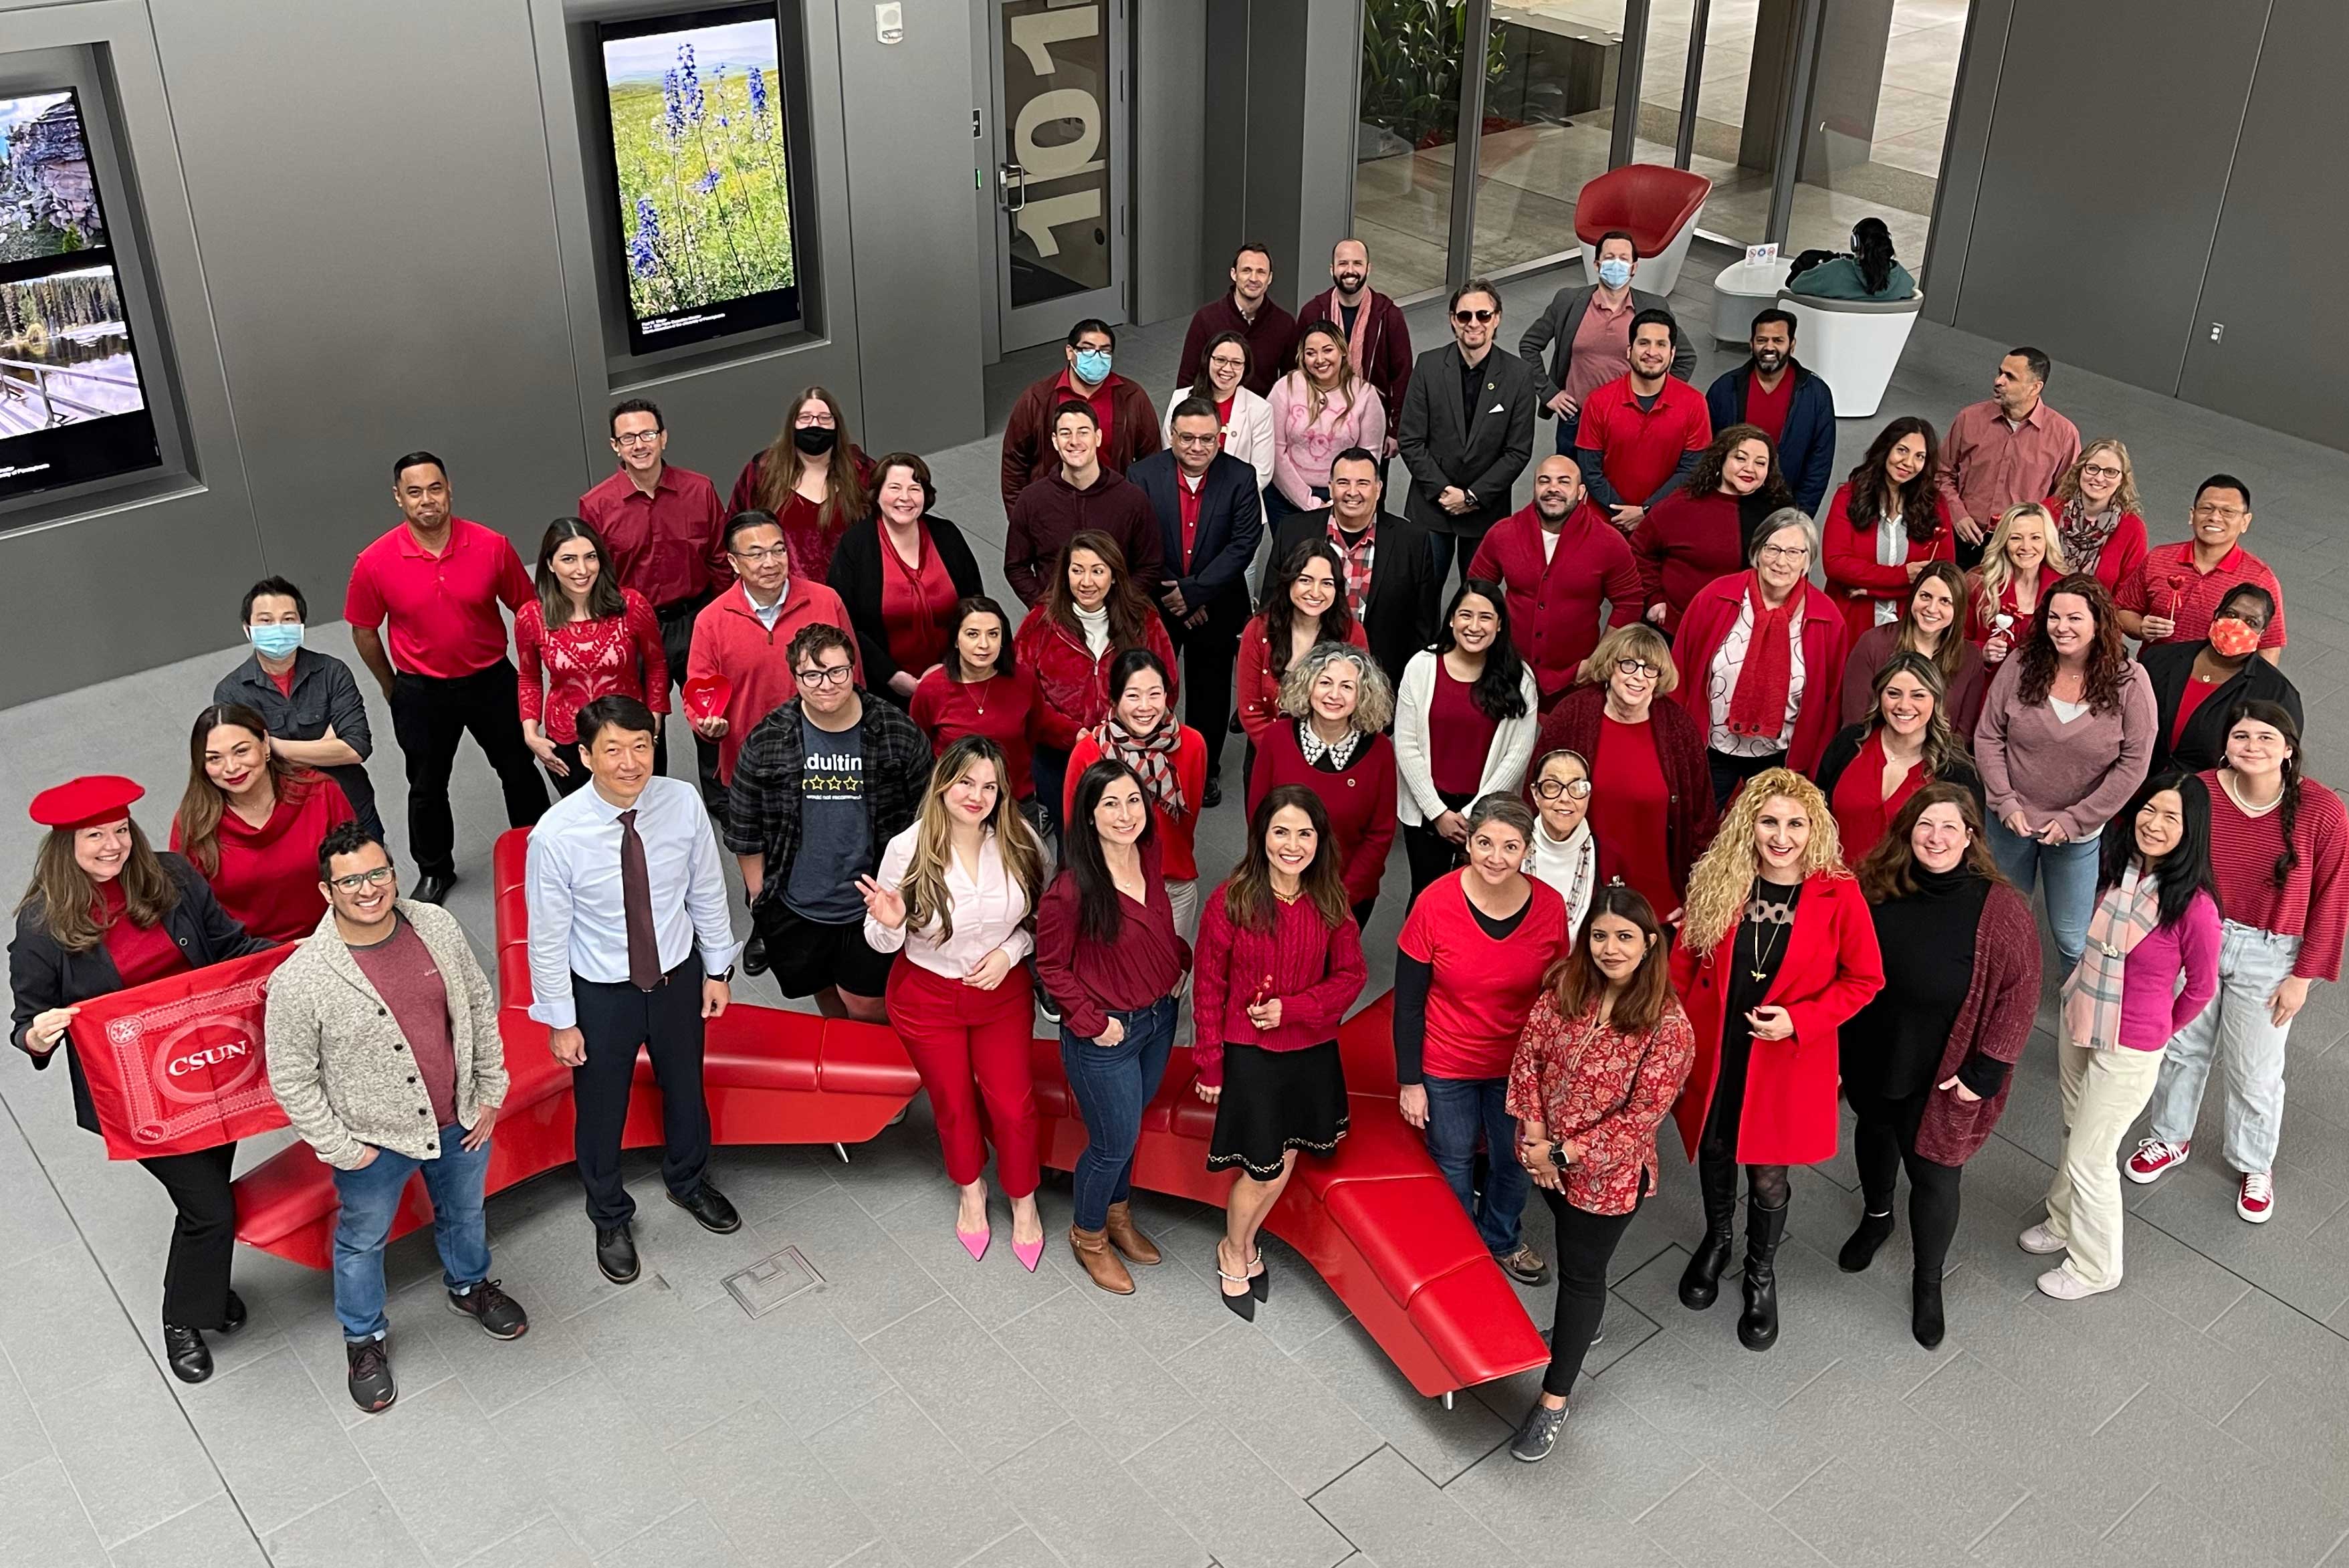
{"points": [[1006, 175]]}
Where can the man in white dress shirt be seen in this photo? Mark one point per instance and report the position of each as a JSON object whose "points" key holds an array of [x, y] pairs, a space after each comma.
{"points": [[630, 946]]}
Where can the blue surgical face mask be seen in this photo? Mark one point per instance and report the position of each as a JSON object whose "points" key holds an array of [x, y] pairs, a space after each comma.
{"points": [[1614, 272], [1093, 365], [275, 642]]}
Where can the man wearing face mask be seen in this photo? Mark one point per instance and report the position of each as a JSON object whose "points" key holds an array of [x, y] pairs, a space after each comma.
{"points": [[1641, 433], [1124, 415], [1591, 326], [1249, 310], [1794, 407], [309, 700], [1378, 340]]}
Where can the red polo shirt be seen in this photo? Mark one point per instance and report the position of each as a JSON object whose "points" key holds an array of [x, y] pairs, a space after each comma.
{"points": [[1639, 448], [443, 609], [2170, 584], [670, 545]]}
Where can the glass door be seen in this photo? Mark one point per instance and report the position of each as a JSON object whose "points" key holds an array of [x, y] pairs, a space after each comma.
{"points": [[1709, 102], [1548, 125], [1877, 120], [1059, 72], [1407, 129]]}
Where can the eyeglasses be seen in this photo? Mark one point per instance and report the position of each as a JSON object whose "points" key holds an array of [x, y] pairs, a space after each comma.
{"points": [[1784, 551], [1182, 440], [1575, 789], [813, 421], [2222, 513], [637, 438], [761, 555], [358, 880], [1464, 316], [1227, 361], [832, 674], [2098, 471], [1639, 667]]}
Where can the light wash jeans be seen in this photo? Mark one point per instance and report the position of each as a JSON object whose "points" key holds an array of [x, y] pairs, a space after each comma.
{"points": [[2251, 964], [2069, 871]]}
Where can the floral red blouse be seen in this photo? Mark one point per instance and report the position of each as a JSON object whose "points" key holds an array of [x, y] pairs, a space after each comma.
{"points": [[1605, 1090], [563, 670]]}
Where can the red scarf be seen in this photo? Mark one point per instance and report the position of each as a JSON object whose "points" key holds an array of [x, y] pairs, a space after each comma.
{"points": [[1758, 706]]}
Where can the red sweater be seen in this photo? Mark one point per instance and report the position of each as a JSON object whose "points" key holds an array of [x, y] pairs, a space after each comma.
{"points": [[1260, 692], [1554, 599], [2314, 903], [1575, 724], [1315, 972], [1854, 578], [1072, 685], [1052, 512], [732, 642], [1174, 833], [1683, 544], [1004, 709], [267, 878], [563, 670], [1825, 647], [1979, 626], [1360, 801]]}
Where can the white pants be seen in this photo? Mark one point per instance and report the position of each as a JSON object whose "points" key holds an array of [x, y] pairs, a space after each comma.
{"points": [[2236, 1027], [2103, 1092]]}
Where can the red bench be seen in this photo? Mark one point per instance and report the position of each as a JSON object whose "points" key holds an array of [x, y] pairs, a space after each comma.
{"points": [[1375, 1219]]}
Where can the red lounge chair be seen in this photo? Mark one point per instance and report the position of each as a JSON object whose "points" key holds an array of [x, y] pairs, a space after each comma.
{"points": [[1656, 204]]}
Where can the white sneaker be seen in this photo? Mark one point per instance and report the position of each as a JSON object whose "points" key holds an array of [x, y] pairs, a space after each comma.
{"points": [[2255, 1199], [2066, 1286], [2153, 1157], [2040, 1242]]}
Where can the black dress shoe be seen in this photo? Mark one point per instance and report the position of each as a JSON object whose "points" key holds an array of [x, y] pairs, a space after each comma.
{"points": [[1213, 795], [616, 1253], [190, 1358], [754, 954], [235, 1316], [435, 887], [709, 1206], [369, 1382]]}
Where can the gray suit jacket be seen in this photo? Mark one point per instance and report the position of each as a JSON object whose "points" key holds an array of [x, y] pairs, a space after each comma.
{"points": [[1482, 448], [1563, 319]]}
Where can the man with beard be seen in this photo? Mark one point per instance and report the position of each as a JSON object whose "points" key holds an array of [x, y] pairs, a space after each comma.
{"points": [[1467, 429], [1248, 309], [1378, 340], [1390, 582], [1557, 559], [1642, 431], [1790, 404]]}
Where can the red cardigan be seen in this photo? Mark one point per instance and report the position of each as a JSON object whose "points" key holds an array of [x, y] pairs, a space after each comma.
{"points": [[1857, 581], [1553, 601], [1260, 693], [1316, 971], [1072, 685], [1825, 647], [1360, 801], [2001, 1010], [1574, 724], [1831, 970]]}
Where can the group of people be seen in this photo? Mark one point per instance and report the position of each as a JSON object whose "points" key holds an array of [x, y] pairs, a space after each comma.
{"points": [[1723, 790]]}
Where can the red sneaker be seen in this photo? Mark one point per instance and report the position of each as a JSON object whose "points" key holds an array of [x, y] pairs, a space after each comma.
{"points": [[2255, 1201], [2152, 1158]]}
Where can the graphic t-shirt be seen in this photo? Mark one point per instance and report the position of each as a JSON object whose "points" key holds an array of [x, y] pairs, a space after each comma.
{"points": [[835, 836]]}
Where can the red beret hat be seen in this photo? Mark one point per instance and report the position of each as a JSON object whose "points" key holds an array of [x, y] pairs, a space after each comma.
{"points": [[86, 802]]}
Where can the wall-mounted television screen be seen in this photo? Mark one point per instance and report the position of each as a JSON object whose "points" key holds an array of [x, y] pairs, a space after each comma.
{"points": [[701, 113], [72, 405]]}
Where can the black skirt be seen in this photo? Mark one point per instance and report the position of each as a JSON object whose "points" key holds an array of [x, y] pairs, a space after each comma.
{"points": [[1274, 1101]]}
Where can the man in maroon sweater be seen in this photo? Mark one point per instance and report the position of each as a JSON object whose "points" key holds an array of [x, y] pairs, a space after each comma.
{"points": [[1248, 310], [1080, 494], [1378, 340], [1557, 559], [1124, 415]]}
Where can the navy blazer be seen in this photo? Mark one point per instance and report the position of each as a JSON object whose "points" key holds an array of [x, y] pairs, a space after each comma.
{"points": [[1807, 447], [1231, 525]]}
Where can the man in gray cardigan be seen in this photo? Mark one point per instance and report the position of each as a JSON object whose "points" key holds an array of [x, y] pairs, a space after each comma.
{"points": [[383, 1048], [1579, 365]]}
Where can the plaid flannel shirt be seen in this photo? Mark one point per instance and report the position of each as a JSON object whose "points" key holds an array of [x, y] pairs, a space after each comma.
{"points": [[762, 815]]}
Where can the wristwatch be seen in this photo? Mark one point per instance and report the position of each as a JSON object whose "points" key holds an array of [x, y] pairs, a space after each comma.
{"points": [[724, 976]]}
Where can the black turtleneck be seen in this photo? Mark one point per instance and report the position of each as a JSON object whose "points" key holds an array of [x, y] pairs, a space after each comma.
{"points": [[1894, 1045]]}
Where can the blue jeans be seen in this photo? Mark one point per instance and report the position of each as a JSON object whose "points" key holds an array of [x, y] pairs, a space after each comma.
{"points": [[2069, 871], [1111, 1084], [1457, 1110], [370, 1199]]}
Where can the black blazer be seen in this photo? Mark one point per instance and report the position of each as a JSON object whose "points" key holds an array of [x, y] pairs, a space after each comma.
{"points": [[1479, 450], [2171, 666], [1400, 613], [1231, 525], [1843, 750], [855, 575], [45, 976]]}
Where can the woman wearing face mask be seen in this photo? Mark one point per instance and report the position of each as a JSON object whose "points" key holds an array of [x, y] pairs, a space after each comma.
{"points": [[2197, 685], [252, 825], [1885, 524], [1867, 272], [982, 688], [1603, 1054], [1243, 419], [1302, 609], [1319, 409], [1777, 953], [1928, 624], [812, 478], [2065, 737], [1566, 854], [1092, 611], [1168, 756], [104, 911], [1656, 814], [1468, 966], [1110, 950], [901, 573], [2278, 843], [1699, 532], [1925, 1064], [2020, 564], [2150, 967], [582, 637], [1873, 768], [1465, 720], [1337, 704], [2094, 506], [1767, 648]]}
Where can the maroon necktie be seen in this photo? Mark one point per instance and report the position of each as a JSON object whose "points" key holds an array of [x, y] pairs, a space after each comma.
{"points": [[637, 900]]}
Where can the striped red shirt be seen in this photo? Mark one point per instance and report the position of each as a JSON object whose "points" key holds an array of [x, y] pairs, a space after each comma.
{"points": [[2314, 903]]}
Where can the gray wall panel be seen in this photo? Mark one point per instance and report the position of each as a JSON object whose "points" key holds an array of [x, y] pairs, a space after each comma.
{"points": [[1170, 139]]}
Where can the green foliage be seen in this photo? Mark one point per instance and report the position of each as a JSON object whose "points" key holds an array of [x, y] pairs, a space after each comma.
{"points": [[1412, 55], [705, 200]]}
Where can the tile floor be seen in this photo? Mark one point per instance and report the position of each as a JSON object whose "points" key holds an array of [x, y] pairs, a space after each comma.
{"points": [[920, 1411]]}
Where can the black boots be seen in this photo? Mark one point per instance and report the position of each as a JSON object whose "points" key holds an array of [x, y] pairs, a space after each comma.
{"points": [[1757, 1328], [1701, 1282], [1925, 1308], [1860, 1250]]}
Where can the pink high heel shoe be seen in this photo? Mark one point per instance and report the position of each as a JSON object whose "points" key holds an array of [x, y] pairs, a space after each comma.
{"points": [[974, 1243], [1030, 1253]]}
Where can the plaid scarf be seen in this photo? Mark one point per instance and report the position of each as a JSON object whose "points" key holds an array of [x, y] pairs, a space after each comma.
{"points": [[2091, 998], [2084, 535], [1151, 757], [1358, 558]]}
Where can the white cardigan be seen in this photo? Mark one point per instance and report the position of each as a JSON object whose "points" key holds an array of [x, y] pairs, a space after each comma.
{"points": [[1247, 438], [1416, 802]]}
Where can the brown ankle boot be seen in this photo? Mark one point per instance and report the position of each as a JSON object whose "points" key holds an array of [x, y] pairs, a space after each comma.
{"points": [[1127, 1237], [1101, 1264]]}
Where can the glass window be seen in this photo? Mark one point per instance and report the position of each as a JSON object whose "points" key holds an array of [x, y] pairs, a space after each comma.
{"points": [[1411, 51]]}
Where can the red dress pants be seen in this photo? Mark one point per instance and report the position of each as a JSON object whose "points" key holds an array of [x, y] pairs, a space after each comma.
{"points": [[971, 1048]]}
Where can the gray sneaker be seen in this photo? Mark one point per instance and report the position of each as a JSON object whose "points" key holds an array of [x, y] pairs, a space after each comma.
{"points": [[1540, 1434]]}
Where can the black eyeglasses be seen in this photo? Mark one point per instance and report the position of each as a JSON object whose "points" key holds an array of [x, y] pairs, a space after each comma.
{"points": [[1551, 788]]}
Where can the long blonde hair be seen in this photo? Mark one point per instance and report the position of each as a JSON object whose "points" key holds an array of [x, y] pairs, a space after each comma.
{"points": [[1721, 882], [1996, 571], [924, 887]]}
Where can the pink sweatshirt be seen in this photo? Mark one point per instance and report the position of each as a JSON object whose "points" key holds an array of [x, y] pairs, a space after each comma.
{"points": [[1303, 446], [2153, 1008]]}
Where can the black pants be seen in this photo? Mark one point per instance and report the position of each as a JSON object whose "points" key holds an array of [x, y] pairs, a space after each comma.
{"points": [[203, 1238], [666, 1022], [1210, 653], [1730, 773], [1431, 855], [1885, 1140], [430, 716], [677, 647], [1586, 1243], [1716, 1149], [569, 783]]}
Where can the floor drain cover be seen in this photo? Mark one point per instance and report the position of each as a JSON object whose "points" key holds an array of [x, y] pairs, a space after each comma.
{"points": [[772, 1281]]}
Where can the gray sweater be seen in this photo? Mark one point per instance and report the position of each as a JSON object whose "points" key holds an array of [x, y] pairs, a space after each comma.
{"points": [[340, 1064]]}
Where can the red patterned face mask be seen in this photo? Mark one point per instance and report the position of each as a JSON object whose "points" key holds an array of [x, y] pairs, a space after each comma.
{"points": [[2232, 637]]}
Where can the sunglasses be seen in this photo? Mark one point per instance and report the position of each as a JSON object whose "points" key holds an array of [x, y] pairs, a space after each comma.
{"points": [[1465, 316]]}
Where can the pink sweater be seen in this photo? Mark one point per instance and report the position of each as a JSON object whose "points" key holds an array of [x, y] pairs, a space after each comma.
{"points": [[2079, 774], [1303, 446], [2153, 1006]]}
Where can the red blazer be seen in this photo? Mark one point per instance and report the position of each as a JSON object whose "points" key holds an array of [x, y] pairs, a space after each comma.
{"points": [[1072, 685], [1825, 647], [1854, 578], [1260, 693], [1360, 801], [1554, 602], [2123, 554], [1574, 724], [1831, 970]]}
